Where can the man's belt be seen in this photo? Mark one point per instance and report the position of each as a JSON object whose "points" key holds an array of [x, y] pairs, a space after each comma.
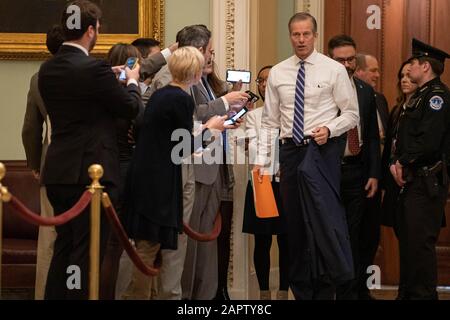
{"points": [[290, 141], [430, 170], [411, 172]]}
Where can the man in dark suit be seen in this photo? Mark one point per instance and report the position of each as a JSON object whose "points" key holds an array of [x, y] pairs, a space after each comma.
{"points": [[361, 161], [83, 98], [368, 71]]}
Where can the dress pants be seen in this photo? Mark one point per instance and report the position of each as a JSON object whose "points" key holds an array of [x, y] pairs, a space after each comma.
{"points": [[169, 284], [199, 280], [301, 281], [46, 241], [419, 226], [141, 284], [353, 197], [369, 240], [109, 272], [72, 244]]}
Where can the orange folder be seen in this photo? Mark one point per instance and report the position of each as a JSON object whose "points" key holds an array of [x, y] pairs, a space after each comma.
{"points": [[265, 204]]}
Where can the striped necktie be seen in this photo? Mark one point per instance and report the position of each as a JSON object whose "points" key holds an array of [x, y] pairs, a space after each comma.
{"points": [[299, 110]]}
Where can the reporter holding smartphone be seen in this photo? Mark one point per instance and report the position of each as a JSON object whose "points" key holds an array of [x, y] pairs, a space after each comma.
{"points": [[119, 55], [153, 197]]}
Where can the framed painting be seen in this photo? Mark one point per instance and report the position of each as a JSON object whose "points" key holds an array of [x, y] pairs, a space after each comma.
{"points": [[24, 24]]}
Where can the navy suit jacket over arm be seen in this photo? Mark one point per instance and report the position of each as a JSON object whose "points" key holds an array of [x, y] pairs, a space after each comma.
{"points": [[327, 232]]}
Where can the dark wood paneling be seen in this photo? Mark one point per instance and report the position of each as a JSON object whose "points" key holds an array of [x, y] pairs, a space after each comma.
{"points": [[440, 26], [335, 19], [393, 38], [418, 21]]}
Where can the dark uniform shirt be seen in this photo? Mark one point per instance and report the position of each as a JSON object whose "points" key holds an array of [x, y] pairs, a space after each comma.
{"points": [[423, 135]]}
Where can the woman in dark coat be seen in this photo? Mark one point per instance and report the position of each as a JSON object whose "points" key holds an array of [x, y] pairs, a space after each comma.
{"points": [[391, 190], [153, 197]]}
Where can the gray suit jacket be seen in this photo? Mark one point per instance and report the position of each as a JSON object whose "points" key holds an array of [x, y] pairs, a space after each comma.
{"points": [[151, 65], [161, 79], [33, 127], [204, 110]]}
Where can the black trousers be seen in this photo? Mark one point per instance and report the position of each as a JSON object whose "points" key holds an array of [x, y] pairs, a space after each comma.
{"points": [[369, 239], [353, 197], [110, 266], [223, 245], [419, 226], [301, 281], [71, 246], [261, 260]]}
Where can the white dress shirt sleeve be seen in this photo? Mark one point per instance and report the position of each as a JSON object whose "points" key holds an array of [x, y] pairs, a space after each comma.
{"points": [[270, 123], [226, 103], [251, 133], [344, 98], [132, 81], [166, 53]]}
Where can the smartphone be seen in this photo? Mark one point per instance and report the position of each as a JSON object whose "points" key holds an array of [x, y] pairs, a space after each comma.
{"points": [[253, 97], [237, 116], [236, 76], [131, 63]]}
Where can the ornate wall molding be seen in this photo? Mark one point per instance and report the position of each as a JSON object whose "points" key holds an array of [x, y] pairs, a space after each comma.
{"points": [[232, 51], [230, 35]]}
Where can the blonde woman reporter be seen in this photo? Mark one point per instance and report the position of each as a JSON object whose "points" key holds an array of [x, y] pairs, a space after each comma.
{"points": [[153, 197]]}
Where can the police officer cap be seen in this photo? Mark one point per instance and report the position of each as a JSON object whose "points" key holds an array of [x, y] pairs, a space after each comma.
{"points": [[421, 50]]}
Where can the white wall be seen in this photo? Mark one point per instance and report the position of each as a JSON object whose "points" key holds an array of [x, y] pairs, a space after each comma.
{"points": [[14, 84], [180, 13]]}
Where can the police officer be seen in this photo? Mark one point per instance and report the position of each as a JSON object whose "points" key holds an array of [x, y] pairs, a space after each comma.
{"points": [[419, 166]]}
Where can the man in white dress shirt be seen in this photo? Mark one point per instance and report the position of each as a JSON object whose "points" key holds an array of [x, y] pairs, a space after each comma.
{"points": [[308, 96]]}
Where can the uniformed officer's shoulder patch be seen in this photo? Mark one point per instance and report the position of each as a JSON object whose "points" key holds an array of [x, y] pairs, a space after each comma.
{"points": [[436, 103]]}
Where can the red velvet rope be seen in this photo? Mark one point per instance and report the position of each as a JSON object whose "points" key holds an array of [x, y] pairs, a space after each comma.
{"points": [[205, 237], [61, 219], [134, 256]]}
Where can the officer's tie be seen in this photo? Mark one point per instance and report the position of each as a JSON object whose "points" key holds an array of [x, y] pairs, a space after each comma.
{"points": [[299, 110]]}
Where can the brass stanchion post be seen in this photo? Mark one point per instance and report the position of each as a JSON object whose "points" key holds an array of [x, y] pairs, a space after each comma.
{"points": [[4, 197], [95, 173]]}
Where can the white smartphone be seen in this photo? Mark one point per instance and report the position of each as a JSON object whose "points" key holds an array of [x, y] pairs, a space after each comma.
{"points": [[236, 76], [237, 116]]}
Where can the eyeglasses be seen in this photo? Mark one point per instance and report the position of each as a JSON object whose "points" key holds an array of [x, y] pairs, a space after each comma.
{"points": [[260, 81], [344, 60]]}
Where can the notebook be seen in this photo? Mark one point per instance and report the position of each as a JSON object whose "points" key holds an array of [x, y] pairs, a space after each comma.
{"points": [[265, 204]]}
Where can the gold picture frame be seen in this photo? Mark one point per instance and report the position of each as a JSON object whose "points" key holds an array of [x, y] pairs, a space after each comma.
{"points": [[31, 46]]}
